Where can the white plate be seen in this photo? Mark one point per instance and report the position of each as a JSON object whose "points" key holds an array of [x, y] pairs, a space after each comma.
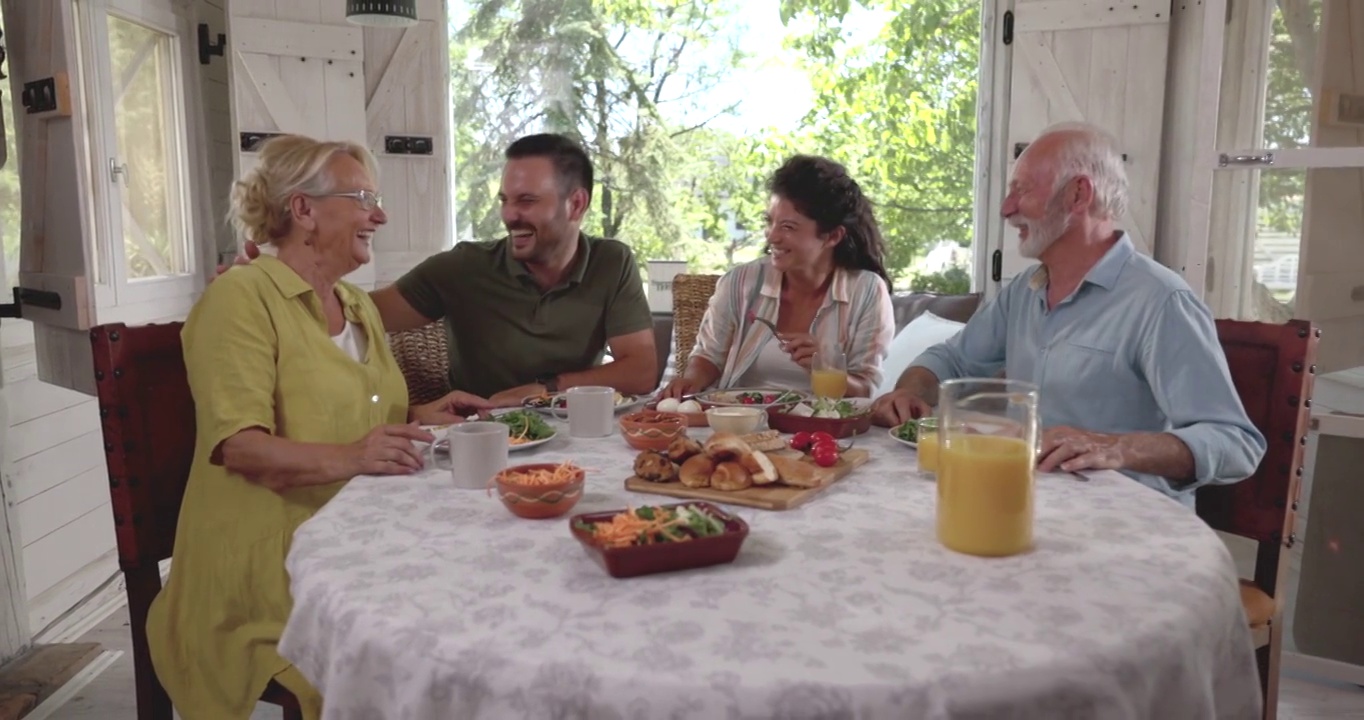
{"points": [[629, 402], [442, 444], [730, 397], [901, 440], [532, 443]]}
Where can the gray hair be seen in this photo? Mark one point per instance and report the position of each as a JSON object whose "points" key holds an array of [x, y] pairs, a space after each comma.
{"points": [[1092, 152]]}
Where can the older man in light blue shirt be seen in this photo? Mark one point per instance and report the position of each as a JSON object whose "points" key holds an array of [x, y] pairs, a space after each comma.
{"points": [[1130, 371]]}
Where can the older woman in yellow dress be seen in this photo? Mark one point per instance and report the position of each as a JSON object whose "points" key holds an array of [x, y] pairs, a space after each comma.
{"points": [[295, 392]]}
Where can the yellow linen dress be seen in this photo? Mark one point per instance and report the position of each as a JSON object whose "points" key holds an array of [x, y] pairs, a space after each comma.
{"points": [[258, 354]]}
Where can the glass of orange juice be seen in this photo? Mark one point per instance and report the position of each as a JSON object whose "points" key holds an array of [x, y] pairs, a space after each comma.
{"points": [[987, 434], [926, 440], [829, 373]]}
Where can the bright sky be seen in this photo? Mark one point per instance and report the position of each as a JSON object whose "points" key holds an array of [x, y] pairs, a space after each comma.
{"points": [[772, 90]]}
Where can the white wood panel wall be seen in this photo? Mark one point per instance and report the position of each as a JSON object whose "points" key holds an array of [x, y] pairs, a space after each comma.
{"points": [[1331, 275], [57, 481], [407, 93]]}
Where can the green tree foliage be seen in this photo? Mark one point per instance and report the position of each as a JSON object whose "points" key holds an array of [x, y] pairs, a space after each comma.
{"points": [[614, 73], [1288, 109], [952, 281], [900, 111]]}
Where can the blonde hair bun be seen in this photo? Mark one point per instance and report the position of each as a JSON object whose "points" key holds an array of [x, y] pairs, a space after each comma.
{"points": [[287, 165]]}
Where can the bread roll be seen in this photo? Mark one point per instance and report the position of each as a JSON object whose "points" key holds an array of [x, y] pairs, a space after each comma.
{"points": [[730, 476], [654, 467], [696, 471], [796, 472], [726, 446], [760, 467], [683, 448]]}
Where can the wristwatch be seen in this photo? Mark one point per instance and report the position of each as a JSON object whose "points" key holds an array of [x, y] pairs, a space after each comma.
{"points": [[551, 383]]}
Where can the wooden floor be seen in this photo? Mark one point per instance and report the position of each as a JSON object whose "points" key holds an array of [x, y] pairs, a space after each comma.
{"points": [[110, 696]]}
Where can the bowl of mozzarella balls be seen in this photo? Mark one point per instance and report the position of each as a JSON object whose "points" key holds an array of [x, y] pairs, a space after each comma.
{"points": [[692, 410]]}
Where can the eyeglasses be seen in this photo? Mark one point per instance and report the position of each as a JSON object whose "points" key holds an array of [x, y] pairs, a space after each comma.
{"points": [[368, 200]]}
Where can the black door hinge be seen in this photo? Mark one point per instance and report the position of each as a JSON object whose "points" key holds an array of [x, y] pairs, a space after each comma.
{"points": [[206, 47], [997, 266], [1008, 27], [36, 298]]}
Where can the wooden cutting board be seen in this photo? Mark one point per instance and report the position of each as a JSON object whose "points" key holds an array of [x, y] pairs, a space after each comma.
{"points": [[766, 497]]}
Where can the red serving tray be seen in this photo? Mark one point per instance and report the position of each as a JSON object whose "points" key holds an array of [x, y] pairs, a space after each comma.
{"points": [[784, 422], [635, 560]]}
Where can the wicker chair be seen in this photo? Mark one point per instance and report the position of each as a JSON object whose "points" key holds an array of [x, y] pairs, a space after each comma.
{"points": [[691, 298], [422, 356]]}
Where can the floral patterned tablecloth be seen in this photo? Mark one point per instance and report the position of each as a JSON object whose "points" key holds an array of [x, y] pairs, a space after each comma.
{"points": [[413, 599]]}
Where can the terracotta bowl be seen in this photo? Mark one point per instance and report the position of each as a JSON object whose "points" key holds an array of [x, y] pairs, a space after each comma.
{"points": [[539, 501], [652, 430]]}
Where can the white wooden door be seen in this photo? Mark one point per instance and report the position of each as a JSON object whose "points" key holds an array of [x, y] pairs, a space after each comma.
{"points": [[407, 96], [297, 67], [1093, 61]]}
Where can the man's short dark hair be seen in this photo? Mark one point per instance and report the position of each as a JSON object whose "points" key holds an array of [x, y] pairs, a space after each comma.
{"points": [[571, 163]]}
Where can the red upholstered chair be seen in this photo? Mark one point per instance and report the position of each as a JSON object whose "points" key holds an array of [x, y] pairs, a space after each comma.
{"points": [[147, 415], [1272, 368]]}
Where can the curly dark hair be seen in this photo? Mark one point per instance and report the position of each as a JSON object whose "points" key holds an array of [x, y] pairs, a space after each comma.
{"points": [[822, 190]]}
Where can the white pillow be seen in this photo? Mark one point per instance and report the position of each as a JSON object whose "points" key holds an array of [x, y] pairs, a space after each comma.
{"points": [[920, 334]]}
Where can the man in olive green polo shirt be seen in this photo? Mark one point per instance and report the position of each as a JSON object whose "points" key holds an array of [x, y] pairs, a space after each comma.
{"points": [[533, 312]]}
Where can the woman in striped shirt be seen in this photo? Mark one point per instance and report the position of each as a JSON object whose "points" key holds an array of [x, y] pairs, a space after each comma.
{"points": [[821, 282]]}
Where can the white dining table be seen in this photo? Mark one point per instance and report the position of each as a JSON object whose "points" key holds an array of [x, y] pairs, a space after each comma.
{"points": [[414, 599]]}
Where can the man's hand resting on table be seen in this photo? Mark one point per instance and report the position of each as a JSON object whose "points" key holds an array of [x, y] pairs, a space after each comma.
{"points": [[1072, 450], [898, 407]]}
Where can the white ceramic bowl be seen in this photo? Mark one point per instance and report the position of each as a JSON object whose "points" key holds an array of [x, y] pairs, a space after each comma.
{"points": [[738, 420]]}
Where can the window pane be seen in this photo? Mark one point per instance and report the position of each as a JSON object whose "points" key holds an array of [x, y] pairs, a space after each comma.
{"points": [[1267, 74], [154, 236], [9, 199], [1260, 212], [688, 107]]}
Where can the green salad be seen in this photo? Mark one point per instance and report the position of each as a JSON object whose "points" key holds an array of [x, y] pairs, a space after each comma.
{"points": [[526, 425], [908, 432], [650, 525]]}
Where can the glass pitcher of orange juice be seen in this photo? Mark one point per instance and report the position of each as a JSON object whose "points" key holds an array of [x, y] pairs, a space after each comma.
{"points": [[829, 374], [987, 435]]}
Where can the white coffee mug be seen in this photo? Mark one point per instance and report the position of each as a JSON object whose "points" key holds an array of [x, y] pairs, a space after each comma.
{"points": [[478, 451], [590, 411]]}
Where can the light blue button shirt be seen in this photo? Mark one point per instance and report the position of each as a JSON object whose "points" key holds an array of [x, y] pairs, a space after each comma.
{"points": [[1131, 350]]}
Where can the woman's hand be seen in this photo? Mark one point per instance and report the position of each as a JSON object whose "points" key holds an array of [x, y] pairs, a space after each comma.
{"points": [[388, 450], [678, 388], [800, 346], [452, 408]]}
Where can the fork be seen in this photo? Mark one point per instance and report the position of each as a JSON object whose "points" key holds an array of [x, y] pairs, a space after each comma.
{"points": [[753, 317]]}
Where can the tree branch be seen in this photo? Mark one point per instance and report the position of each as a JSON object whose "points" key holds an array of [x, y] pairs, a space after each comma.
{"points": [[1300, 21]]}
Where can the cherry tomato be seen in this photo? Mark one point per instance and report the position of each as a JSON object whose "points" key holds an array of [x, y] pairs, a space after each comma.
{"points": [[824, 446], [825, 455], [821, 436], [800, 441]]}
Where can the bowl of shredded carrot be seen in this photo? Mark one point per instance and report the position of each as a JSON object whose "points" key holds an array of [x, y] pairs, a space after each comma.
{"points": [[660, 538], [540, 490]]}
